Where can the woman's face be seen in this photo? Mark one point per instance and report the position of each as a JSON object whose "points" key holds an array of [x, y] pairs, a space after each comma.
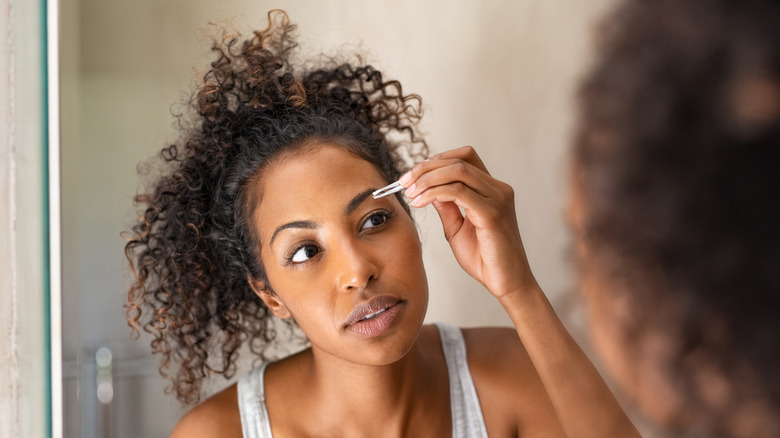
{"points": [[346, 266]]}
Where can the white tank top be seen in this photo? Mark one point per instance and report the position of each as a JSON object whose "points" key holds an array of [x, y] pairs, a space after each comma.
{"points": [[467, 420]]}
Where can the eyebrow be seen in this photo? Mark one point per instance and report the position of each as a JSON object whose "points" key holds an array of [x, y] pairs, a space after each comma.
{"points": [[357, 200], [352, 205], [305, 225]]}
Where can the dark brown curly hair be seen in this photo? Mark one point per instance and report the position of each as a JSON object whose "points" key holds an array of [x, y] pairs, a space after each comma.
{"points": [[192, 249], [677, 166]]}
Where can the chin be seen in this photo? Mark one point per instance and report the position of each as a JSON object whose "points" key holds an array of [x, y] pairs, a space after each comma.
{"points": [[381, 353]]}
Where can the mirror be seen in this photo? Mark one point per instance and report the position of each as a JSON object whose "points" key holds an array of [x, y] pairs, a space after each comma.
{"points": [[497, 75]]}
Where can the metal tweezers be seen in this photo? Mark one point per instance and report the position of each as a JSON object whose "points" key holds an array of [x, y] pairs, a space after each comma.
{"points": [[388, 190]]}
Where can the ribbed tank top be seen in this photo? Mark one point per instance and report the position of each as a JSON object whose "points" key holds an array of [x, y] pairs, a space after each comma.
{"points": [[467, 420]]}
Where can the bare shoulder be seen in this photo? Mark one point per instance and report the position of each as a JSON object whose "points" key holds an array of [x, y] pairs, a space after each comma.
{"points": [[494, 347], [502, 335], [513, 398], [217, 416]]}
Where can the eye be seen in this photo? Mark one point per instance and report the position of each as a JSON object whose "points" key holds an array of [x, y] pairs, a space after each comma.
{"points": [[304, 253], [376, 219]]}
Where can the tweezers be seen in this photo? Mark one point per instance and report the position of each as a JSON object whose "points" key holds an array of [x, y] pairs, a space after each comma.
{"points": [[388, 190]]}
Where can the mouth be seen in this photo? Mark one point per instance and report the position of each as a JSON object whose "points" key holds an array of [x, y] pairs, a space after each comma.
{"points": [[374, 317]]}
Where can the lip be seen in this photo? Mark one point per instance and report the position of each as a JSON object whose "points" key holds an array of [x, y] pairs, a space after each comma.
{"points": [[382, 312]]}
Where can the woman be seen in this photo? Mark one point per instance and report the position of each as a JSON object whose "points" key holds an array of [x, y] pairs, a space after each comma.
{"points": [[266, 210], [676, 209]]}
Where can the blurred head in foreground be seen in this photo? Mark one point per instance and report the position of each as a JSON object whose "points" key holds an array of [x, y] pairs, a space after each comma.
{"points": [[676, 210]]}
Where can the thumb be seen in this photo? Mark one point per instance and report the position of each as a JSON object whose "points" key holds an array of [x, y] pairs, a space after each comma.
{"points": [[451, 218]]}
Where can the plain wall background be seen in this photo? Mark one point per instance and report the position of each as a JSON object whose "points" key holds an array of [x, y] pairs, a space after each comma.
{"points": [[498, 75]]}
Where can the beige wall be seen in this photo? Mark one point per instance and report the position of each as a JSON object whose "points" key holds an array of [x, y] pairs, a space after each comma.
{"points": [[499, 75]]}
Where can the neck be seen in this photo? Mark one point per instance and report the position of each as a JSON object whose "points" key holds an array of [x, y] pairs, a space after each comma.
{"points": [[389, 396], [369, 387]]}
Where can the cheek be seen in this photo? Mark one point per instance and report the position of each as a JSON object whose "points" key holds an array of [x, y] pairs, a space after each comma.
{"points": [[610, 346], [407, 253], [605, 331], [297, 291], [636, 365]]}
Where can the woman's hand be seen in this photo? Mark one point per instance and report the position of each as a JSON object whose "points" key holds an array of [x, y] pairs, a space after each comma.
{"points": [[484, 238]]}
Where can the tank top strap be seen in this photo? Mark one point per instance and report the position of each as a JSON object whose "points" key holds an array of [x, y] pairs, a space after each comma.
{"points": [[467, 419], [251, 404]]}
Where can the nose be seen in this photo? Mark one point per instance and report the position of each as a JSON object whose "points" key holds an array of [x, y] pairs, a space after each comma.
{"points": [[356, 267]]}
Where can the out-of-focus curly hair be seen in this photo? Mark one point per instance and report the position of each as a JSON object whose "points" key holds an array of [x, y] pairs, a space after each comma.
{"points": [[193, 248], [677, 167]]}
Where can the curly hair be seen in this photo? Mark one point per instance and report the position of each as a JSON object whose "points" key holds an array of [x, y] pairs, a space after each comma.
{"points": [[192, 249], [677, 166]]}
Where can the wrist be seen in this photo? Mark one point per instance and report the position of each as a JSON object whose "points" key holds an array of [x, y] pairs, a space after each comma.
{"points": [[521, 293]]}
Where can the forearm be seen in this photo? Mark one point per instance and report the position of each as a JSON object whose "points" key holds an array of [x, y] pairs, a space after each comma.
{"points": [[478, 217], [585, 405]]}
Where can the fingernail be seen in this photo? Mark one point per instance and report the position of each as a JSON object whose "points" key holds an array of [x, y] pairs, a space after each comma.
{"points": [[410, 191], [417, 201], [405, 178]]}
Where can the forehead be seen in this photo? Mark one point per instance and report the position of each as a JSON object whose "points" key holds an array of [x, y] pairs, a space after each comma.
{"points": [[311, 184], [318, 167]]}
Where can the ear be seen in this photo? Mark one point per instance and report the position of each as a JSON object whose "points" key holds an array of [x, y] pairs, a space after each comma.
{"points": [[269, 297]]}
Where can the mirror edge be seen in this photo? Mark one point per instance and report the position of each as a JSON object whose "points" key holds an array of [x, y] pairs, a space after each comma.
{"points": [[54, 286]]}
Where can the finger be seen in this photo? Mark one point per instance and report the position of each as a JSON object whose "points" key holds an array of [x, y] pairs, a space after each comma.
{"points": [[455, 171], [478, 209], [451, 218], [426, 166], [465, 153]]}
